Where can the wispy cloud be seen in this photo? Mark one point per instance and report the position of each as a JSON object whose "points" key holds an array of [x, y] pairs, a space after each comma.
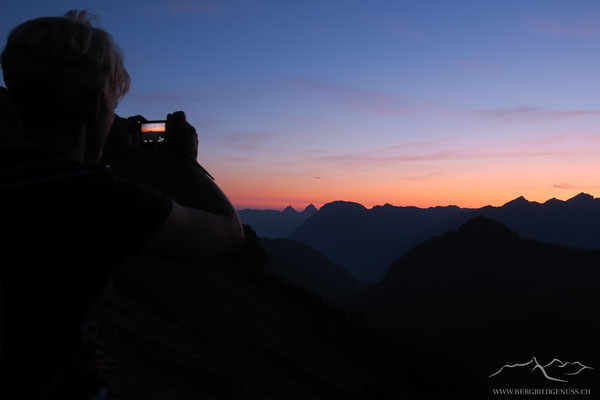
{"points": [[370, 100], [593, 137], [571, 186], [372, 158], [239, 159], [534, 114], [404, 146], [248, 141], [554, 138], [588, 27], [399, 27], [402, 152], [167, 97], [424, 177], [479, 67]]}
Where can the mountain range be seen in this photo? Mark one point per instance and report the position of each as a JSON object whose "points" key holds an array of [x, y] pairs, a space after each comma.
{"points": [[366, 241], [457, 297], [273, 224]]}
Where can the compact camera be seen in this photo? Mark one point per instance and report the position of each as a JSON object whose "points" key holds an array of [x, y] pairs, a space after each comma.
{"points": [[153, 132]]}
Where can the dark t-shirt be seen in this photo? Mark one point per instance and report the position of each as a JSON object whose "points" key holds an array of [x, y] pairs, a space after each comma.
{"points": [[65, 229]]}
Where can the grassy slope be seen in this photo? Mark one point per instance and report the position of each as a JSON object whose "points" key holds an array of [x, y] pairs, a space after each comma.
{"points": [[189, 332], [302, 265]]}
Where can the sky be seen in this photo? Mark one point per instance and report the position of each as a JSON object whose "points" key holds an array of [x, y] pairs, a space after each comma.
{"points": [[420, 103]]}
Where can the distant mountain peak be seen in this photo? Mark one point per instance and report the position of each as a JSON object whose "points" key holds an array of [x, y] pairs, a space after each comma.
{"points": [[517, 202], [289, 209], [485, 227], [311, 208], [581, 197], [343, 205], [553, 200]]}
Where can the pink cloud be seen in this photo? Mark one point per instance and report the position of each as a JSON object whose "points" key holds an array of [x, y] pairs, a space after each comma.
{"points": [[248, 141], [571, 186], [418, 144], [534, 114], [239, 159], [397, 26], [444, 155], [370, 100], [555, 138], [479, 67], [586, 28]]}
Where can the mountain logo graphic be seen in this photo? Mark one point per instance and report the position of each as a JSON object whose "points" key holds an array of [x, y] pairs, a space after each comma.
{"points": [[551, 370]]}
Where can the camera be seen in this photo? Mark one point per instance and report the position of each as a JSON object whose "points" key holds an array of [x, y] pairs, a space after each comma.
{"points": [[153, 132]]}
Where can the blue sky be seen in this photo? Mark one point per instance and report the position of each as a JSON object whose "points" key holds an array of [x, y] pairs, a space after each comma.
{"points": [[405, 102]]}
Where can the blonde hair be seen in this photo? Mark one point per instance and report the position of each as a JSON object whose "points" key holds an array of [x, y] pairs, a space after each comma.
{"points": [[54, 65]]}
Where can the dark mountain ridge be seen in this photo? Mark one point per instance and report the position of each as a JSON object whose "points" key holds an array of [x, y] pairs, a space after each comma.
{"points": [[275, 224], [300, 264], [490, 297], [574, 222], [366, 241]]}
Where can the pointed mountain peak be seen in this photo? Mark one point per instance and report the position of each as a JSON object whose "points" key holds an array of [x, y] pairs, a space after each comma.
{"points": [[310, 209], [517, 202], [581, 197], [289, 209]]}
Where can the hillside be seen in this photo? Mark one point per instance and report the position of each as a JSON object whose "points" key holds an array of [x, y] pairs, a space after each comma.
{"points": [[302, 265], [490, 297], [233, 331], [366, 241]]}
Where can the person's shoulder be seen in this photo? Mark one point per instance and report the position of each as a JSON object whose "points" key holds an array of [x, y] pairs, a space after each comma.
{"points": [[18, 154], [23, 166], [121, 193]]}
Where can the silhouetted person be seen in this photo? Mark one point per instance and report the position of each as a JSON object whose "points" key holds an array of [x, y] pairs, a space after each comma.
{"points": [[9, 124], [67, 221]]}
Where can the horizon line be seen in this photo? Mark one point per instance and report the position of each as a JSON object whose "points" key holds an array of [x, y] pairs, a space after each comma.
{"points": [[370, 207]]}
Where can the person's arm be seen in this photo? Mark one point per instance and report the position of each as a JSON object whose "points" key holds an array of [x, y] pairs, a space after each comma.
{"points": [[195, 235], [208, 225]]}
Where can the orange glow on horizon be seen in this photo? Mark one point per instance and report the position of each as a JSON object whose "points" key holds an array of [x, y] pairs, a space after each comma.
{"points": [[475, 190], [476, 177], [277, 204], [464, 199]]}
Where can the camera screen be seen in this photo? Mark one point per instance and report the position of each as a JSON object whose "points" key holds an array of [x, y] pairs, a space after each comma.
{"points": [[153, 132]]}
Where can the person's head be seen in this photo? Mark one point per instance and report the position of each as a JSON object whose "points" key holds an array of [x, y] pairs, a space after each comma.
{"points": [[64, 77]]}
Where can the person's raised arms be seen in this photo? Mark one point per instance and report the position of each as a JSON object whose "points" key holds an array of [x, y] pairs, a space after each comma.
{"points": [[210, 228]]}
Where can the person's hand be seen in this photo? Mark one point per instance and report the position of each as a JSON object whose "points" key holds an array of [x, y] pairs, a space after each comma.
{"points": [[181, 137], [124, 139]]}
